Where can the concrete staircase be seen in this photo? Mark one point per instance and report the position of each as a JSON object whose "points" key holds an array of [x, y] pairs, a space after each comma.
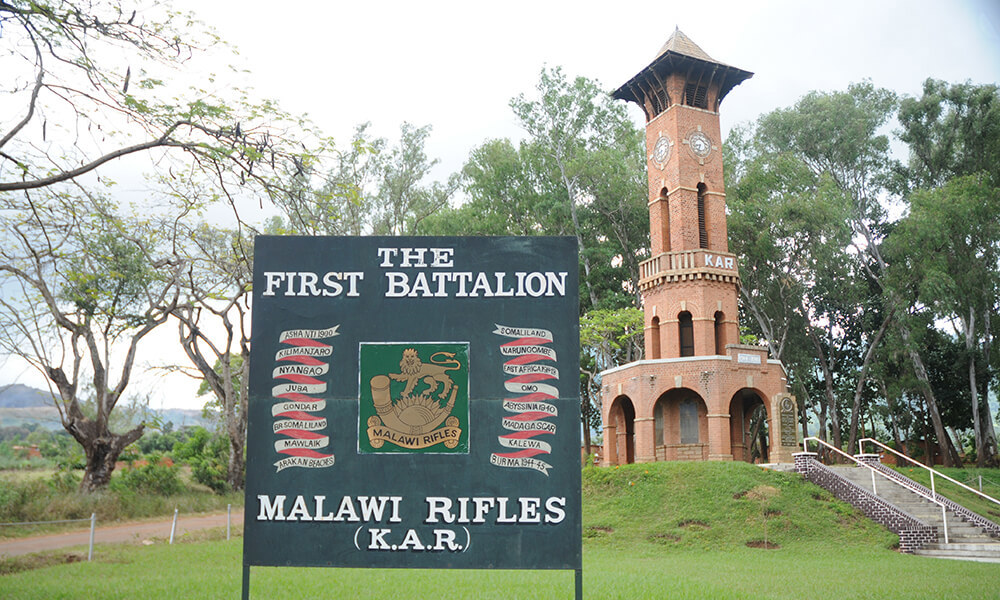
{"points": [[966, 541]]}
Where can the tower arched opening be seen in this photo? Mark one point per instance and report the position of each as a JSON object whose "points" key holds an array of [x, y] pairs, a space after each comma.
{"points": [[680, 426], [619, 433], [750, 434]]}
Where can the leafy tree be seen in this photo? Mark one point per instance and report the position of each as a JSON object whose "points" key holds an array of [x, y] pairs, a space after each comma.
{"points": [[805, 188], [836, 135], [88, 85], [403, 203], [953, 132], [609, 338], [949, 244], [788, 225], [213, 329], [373, 189], [83, 285], [90, 81], [950, 130], [580, 135]]}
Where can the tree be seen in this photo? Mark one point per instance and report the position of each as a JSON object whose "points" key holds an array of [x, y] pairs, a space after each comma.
{"points": [[813, 174], [608, 338], [346, 203], [88, 83], [83, 286], [90, 79], [403, 203], [951, 130], [949, 244], [570, 123], [580, 172], [213, 328], [373, 189], [788, 225]]}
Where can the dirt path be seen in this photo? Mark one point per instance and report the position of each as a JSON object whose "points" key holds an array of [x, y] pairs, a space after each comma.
{"points": [[127, 532]]}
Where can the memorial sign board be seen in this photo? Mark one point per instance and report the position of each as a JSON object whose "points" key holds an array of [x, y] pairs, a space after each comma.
{"points": [[414, 402]]}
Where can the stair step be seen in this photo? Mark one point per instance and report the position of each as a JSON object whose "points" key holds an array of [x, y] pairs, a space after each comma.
{"points": [[989, 557], [993, 548], [967, 541]]}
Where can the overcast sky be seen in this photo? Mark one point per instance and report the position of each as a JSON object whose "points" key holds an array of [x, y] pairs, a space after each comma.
{"points": [[456, 65]]}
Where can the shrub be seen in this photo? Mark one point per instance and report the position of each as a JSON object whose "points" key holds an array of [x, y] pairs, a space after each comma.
{"points": [[148, 479], [211, 467]]}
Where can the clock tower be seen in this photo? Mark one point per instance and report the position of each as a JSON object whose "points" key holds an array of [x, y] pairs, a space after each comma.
{"points": [[698, 394]]}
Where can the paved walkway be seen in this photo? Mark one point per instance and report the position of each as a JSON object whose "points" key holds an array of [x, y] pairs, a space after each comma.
{"points": [[127, 532]]}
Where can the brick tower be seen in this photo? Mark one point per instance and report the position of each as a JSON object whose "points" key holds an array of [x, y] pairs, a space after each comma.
{"points": [[698, 395]]}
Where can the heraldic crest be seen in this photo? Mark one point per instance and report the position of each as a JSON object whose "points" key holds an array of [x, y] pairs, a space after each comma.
{"points": [[414, 398]]}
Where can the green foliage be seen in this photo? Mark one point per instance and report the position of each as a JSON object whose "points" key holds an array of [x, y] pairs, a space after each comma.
{"points": [[109, 275], [151, 479], [208, 456], [579, 172], [44, 498], [951, 130], [374, 188]]}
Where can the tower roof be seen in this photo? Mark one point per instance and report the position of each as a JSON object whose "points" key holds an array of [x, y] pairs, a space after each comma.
{"points": [[679, 55], [678, 43]]}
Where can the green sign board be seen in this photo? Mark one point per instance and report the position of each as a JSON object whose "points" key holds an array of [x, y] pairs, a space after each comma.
{"points": [[414, 402]]}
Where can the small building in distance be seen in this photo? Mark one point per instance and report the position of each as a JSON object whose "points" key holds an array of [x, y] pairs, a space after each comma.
{"points": [[698, 394]]}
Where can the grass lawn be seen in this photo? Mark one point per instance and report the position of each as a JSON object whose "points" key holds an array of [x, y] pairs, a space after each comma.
{"points": [[212, 570], [663, 530]]}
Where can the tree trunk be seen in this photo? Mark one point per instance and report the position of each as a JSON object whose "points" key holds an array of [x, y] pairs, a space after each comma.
{"points": [[102, 453], [862, 378], [236, 424], [577, 230], [948, 455], [990, 435], [831, 398], [803, 417], [893, 424]]}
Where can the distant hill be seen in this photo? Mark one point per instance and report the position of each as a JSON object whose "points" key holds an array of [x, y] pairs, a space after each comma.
{"points": [[22, 405], [21, 396]]}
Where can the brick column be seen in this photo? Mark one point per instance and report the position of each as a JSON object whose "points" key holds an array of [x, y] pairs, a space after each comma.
{"points": [[803, 460], [610, 454], [645, 431], [869, 459], [719, 443]]}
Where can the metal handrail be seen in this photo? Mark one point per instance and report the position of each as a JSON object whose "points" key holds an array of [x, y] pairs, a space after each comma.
{"points": [[873, 470], [932, 470]]}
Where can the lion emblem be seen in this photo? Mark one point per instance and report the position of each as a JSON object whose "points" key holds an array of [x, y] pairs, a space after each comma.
{"points": [[433, 373]]}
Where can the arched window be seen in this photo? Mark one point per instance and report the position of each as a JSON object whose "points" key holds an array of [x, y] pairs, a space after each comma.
{"points": [[702, 218], [686, 327], [720, 341], [665, 219], [654, 342]]}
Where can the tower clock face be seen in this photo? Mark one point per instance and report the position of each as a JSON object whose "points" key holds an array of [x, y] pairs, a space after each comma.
{"points": [[661, 151], [700, 144]]}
